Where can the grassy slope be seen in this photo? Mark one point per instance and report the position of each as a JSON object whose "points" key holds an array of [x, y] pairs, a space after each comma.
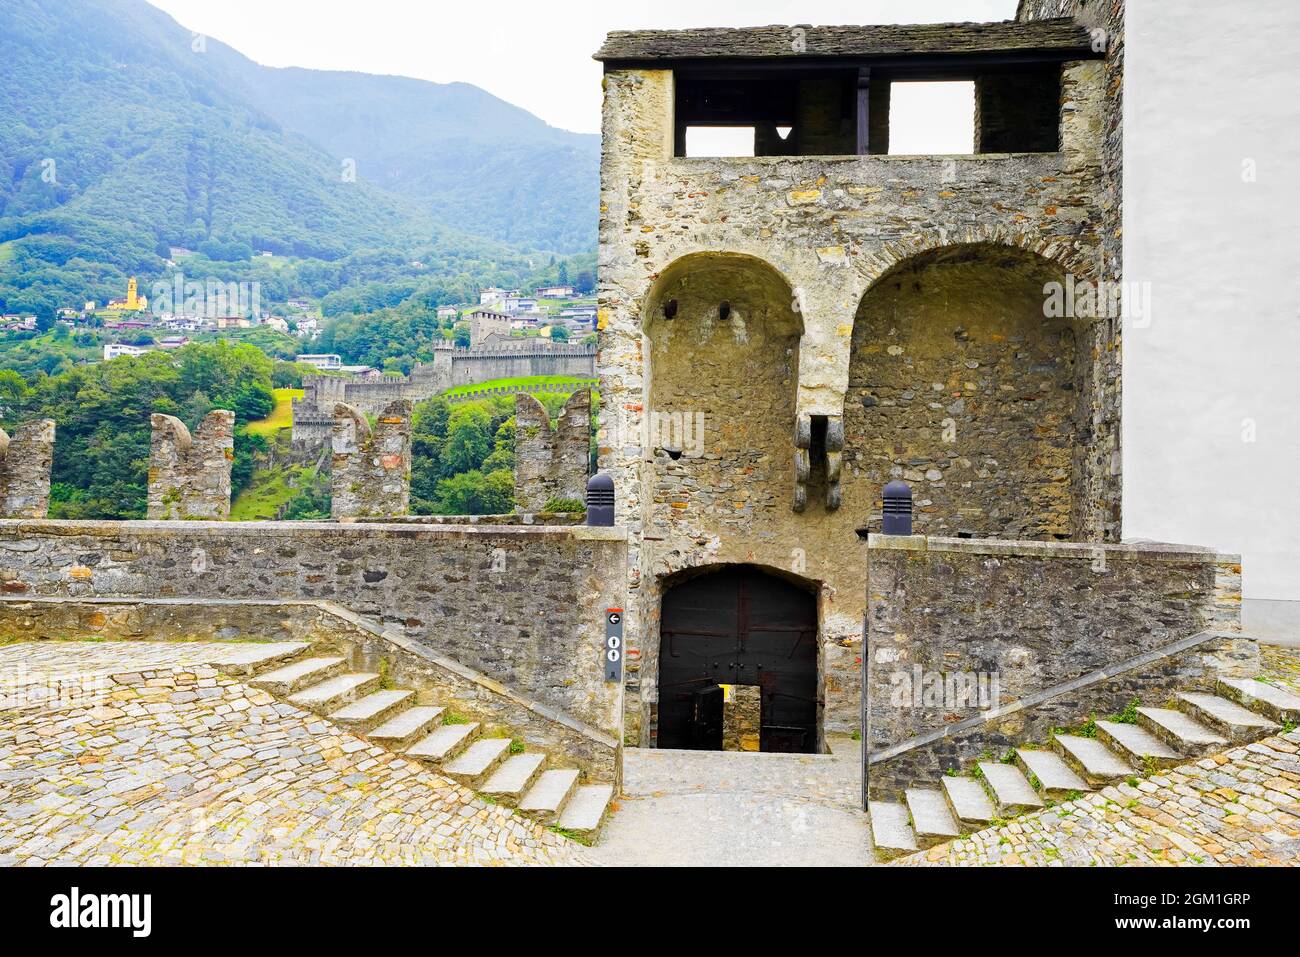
{"points": [[269, 491], [281, 416]]}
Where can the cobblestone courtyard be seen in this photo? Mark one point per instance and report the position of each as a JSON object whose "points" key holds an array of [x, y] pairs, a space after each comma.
{"points": [[147, 753], [172, 762]]}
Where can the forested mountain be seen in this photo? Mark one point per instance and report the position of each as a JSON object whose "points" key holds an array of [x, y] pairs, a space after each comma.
{"points": [[121, 135]]}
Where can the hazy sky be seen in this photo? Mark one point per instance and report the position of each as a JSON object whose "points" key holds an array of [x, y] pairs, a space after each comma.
{"points": [[536, 55]]}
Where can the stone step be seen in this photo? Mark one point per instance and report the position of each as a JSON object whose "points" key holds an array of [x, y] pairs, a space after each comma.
{"points": [[891, 830], [1181, 731], [1096, 763], [1276, 703], [509, 782], [1138, 746], [444, 742], [547, 797], [334, 693], [372, 709], [477, 761], [298, 675], [253, 660], [932, 822], [1050, 775], [1009, 789], [586, 809], [1226, 717], [405, 728], [969, 802]]}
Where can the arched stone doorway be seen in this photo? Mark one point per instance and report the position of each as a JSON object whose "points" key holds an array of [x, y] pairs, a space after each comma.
{"points": [[754, 632]]}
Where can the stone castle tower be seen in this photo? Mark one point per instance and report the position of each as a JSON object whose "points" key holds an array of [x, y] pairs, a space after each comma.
{"points": [[782, 334]]}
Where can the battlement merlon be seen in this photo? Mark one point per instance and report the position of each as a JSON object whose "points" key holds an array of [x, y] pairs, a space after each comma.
{"points": [[189, 474], [370, 471], [25, 462]]}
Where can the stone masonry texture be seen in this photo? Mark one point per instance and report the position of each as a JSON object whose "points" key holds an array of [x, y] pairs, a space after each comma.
{"points": [[1036, 615], [823, 324], [25, 462], [370, 472], [189, 476], [523, 605], [551, 462]]}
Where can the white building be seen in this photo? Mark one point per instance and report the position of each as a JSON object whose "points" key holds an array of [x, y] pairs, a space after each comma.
{"points": [[326, 360], [1211, 435], [115, 350], [448, 312], [513, 305]]}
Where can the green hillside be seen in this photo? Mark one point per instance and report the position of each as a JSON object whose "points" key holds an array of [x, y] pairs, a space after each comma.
{"points": [[118, 139]]}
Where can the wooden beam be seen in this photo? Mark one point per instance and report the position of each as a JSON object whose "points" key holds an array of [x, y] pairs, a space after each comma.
{"points": [[864, 110]]}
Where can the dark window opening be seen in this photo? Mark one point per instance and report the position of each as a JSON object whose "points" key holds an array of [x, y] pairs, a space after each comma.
{"points": [[847, 111]]}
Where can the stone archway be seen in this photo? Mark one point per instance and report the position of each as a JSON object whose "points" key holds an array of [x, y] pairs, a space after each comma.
{"points": [[962, 386]]}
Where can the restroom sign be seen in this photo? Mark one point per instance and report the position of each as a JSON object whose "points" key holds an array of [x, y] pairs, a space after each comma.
{"points": [[613, 650]]}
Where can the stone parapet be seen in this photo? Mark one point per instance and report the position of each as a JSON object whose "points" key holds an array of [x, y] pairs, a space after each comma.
{"points": [[974, 646], [522, 605]]}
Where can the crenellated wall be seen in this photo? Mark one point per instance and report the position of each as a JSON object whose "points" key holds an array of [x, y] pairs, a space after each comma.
{"points": [[25, 462], [189, 476], [370, 471], [551, 462], [448, 369]]}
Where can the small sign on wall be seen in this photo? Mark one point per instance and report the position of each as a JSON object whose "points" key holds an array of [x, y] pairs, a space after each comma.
{"points": [[613, 650]]}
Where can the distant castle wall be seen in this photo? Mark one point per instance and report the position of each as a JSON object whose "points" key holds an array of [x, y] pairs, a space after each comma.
{"points": [[371, 468], [313, 421], [189, 476], [551, 462], [25, 462]]}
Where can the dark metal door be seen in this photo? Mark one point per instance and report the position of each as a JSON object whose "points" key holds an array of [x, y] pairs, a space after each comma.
{"points": [[738, 626]]}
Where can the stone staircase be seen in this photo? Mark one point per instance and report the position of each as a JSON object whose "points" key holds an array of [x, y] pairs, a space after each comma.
{"points": [[530, 782], [1200, 723]]}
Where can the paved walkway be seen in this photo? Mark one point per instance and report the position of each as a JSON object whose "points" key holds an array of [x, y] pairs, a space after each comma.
{"points": [[727, 808], [171, 762]]}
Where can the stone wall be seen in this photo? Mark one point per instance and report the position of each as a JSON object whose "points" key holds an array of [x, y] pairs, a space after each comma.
{"points": [[25, 462], [523, 605], [1101, 624], [189, 476], [370, 471], [782, 275], [1098, 105], [551, 462]]}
